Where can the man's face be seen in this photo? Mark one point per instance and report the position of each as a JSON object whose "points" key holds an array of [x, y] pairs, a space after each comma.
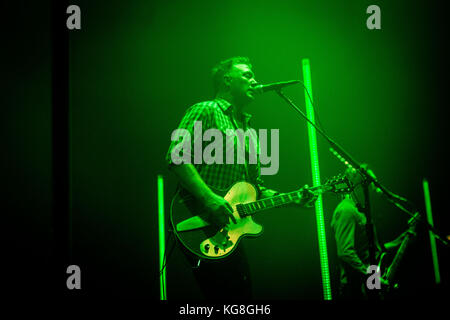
{"points": [[241, 81]]}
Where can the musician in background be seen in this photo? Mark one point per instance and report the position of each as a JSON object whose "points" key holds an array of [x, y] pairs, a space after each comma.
{"points": [[234, 84], [349, 226]]}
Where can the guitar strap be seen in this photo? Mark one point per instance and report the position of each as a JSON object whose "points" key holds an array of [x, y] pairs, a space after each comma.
{"points": [[246, 145]]}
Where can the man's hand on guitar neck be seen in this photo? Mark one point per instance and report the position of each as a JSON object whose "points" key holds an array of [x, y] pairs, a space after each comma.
{"points": [[308, 198], [397, 241]]}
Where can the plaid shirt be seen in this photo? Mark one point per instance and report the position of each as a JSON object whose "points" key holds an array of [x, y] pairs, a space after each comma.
{"points": [[217, 114]]}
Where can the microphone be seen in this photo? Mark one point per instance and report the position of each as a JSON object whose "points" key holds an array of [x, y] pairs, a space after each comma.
{"points": [[262, 88]]}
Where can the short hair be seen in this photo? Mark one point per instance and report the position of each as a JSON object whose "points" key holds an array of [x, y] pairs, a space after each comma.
{"points": [[223, 67]]}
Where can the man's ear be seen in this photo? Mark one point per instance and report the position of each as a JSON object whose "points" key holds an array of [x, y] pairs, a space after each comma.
{"points": [[227, 80]]}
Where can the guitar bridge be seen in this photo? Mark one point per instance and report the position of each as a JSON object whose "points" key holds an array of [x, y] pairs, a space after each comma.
{"points": [[217, 245]]}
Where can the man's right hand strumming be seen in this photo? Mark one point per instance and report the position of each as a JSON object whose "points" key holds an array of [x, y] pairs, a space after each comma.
{"points": [[220, 210]]}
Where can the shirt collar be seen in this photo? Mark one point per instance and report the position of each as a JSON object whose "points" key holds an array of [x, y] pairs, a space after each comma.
{"points": [[227, 108]]}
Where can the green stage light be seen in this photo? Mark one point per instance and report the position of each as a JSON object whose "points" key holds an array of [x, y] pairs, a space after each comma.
{"points": [[162, 238], [316, 181], [426, 191]]}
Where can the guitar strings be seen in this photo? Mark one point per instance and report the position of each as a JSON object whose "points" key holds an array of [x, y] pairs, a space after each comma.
{"points": [[262, 204], [249, 208]]}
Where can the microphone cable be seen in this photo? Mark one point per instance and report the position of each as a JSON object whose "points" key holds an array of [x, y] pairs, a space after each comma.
{"points": [[316, 114]]}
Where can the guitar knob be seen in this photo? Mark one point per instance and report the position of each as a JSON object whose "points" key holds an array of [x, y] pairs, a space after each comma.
{"points": [[207, 247]]}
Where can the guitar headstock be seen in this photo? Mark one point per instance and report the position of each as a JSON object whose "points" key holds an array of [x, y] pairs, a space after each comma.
{"points": [[338, 184]]}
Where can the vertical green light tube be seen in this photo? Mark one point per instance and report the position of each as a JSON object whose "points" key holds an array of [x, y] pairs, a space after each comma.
{"points": [[316, 181], [162, 238], [426, 191]]}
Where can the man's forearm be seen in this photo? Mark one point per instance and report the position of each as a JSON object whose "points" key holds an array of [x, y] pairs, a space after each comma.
{"points": [[353, 261], [191, 180]]}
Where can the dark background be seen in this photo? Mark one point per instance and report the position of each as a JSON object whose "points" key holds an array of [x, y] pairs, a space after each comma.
{"points": [[133, 70]]}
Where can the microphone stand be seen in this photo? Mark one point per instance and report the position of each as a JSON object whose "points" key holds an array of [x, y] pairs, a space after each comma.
{"points": [[398, 201]]}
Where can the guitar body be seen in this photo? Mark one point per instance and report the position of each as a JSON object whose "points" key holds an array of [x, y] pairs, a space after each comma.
{"points": [[190, 222]]}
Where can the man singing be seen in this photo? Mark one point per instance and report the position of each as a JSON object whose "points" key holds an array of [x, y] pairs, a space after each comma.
{"points": [[234, 87]]}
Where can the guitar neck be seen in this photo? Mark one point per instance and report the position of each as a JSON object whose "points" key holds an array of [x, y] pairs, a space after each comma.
{"points": [[251, 208], [393, 267]]}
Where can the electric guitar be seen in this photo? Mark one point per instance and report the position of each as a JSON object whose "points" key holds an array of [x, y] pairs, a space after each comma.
{"points": [[191, 225], [388, 273]]}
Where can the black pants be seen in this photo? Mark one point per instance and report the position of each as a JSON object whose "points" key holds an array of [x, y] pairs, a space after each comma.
{"points": [[224, 279], [352, 292]]}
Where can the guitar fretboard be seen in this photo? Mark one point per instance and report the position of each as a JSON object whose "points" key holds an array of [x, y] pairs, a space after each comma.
{"points": [[248, 209], [335, 185], [398, 257]]}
